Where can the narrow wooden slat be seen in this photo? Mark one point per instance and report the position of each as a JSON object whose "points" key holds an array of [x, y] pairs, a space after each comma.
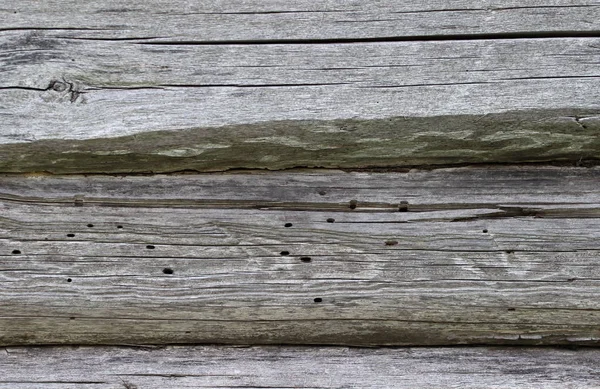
{"points": [[292, 367], [424, 189], [256, 20]]}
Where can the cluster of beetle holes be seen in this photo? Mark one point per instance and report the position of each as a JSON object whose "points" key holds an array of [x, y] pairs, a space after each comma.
{"points": [[166, 270], [353, 204], [403, 207]]}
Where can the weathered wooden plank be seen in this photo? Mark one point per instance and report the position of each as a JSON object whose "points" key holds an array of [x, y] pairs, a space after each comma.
{"points": [[499, 87], [256, 20], [495, 256], [293, 367], [36, 60]]}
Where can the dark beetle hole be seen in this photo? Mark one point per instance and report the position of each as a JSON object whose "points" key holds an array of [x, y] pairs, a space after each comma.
{"points": [[284, 253], [71, 318], [71, 235], [403, 206], [119, 226], [168, 270], [330, 220], [69, 280], [288, 225], [484, 231], [509, 251], [16, 251], [391, 242], [353, 204], [90, 225], [318, 300], [511, 309], [150, 247], [306, 259], [322, 193]]}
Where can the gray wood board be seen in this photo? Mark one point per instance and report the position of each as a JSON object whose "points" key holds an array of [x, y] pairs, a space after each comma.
{"points": [[473, 256], [297, 367], [162, 87], [274, 20]]}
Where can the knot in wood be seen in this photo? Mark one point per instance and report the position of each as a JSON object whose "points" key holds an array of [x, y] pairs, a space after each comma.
{"points": [[59, 86]]}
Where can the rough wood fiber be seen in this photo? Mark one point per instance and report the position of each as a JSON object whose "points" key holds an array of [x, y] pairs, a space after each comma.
{"points": [[454, 256], [168, 86], [273, 20], [294, 367]]}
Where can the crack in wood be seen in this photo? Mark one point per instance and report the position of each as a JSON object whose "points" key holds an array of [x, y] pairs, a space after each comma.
{"points": [[408, 38]]}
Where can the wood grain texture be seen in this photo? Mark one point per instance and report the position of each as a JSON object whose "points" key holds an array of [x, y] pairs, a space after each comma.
{"points": [[256, 20], [296, 367], [454, 256], [169, 86]]}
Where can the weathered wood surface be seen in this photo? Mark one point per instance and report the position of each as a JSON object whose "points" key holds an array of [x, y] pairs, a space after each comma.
{"points": [[169, 86], [274, 20], [296, 367], [452, 256]]}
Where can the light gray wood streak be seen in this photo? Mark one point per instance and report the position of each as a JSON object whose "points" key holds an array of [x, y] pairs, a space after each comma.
{"points": [[300, 90], [296, 367], [496, 256], [180, 20]]}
